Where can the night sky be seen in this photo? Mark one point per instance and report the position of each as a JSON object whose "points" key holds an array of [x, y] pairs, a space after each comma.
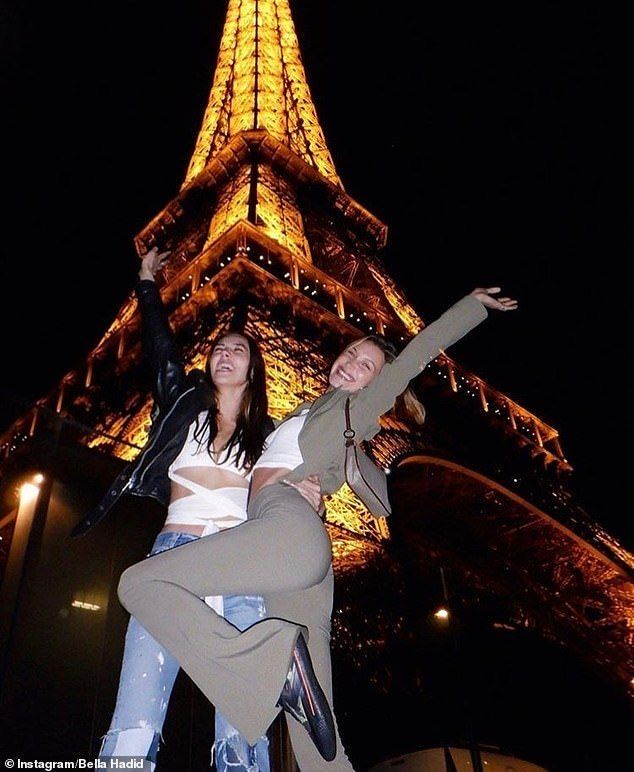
{"points": [[481, 134]]}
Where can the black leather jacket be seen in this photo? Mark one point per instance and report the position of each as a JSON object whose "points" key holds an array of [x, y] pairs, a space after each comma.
{"points": [[178, 399]]}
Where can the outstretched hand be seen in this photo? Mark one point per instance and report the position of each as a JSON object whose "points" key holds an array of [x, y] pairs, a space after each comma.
{"points": [[151, 263], [485, 296]]}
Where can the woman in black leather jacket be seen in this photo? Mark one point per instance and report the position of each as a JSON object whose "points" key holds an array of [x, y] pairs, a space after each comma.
{"points": [[197, 459]]}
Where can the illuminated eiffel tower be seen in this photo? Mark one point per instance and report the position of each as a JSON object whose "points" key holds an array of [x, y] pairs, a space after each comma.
{"points": [[263, 231]]}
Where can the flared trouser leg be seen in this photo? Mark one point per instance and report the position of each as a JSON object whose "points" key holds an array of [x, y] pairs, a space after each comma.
{"points": [[282, 548], [312, 608]]}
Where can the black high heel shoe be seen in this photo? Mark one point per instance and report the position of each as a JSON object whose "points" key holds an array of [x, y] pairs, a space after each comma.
{"points": [[304, 699]]}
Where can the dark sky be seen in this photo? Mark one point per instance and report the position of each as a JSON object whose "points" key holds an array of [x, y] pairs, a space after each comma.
{"points": [[482, 134]]}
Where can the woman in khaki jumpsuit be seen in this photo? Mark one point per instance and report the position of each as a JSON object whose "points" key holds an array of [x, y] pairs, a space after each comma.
{"points": [[282, 551]]}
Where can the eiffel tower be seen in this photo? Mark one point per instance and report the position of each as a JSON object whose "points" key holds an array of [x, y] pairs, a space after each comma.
{"points": [[263, 232]]}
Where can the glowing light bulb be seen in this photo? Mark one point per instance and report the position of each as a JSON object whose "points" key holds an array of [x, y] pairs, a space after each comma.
{"points": [[28, 492]]}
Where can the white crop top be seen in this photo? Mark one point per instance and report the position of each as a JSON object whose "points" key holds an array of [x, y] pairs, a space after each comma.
{"points": [[213, 508], [282, 446], [195, 454]]}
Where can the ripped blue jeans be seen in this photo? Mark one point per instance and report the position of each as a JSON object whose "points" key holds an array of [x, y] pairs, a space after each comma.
{"points": [[147, 677]]}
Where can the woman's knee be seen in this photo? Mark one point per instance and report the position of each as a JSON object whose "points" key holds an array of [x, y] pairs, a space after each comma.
{"points": [[131, 579]]}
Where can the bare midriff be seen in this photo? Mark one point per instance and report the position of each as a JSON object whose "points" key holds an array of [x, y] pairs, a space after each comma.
{"points": [[266, 476], [209, 478]]}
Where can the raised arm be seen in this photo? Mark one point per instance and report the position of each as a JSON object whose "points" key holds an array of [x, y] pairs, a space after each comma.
{"points": [[158, 345], [379, 396], [486, 296]]}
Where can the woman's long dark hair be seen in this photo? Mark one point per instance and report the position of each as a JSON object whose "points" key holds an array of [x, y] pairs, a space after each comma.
{"points": [[407, 405], [253, 423]]}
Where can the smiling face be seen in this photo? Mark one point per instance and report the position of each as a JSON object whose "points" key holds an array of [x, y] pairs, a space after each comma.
{"points": [[229, 361], [356, 366]]}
